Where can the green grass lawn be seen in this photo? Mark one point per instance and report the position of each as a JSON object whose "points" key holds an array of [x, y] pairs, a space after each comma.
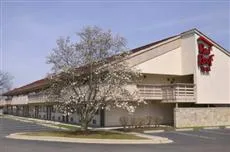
{"points": [[80, 134]]}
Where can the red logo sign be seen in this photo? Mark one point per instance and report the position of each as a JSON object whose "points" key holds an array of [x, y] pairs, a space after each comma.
{"points": [[205, 57]]}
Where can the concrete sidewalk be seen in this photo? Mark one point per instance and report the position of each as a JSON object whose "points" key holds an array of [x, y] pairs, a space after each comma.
{"points": [[185, 129], [150, 140]]}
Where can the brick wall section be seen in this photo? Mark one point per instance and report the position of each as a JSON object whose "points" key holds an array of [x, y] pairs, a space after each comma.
{"points": [[194, 117]]}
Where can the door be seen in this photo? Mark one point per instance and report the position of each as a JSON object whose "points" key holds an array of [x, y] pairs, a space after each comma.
{"points": [[17, 110], [36, 111], [48, 112], [25, 111], [102, 117]]}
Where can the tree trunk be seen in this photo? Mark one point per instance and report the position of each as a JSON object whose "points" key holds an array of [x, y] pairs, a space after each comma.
{"points": [[84, 126]]}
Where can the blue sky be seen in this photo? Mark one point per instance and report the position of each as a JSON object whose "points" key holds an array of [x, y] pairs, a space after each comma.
{"points": [[30, 28]]}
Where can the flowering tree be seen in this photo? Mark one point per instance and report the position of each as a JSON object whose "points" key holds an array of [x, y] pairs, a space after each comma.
{"points": [[92, 74], [5, 82]]}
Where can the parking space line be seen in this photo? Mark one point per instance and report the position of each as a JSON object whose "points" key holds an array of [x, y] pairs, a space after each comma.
{"points": [[193, 135], [215, 132]]}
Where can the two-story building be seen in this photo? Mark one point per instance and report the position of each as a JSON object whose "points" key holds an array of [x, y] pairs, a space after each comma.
{"points": [[186, 83]]}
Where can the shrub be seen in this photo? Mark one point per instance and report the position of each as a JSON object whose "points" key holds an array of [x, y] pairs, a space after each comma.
{"points": [[157, 121], [133, 122], [124, 121], [222, 127], [5, 112], [140, 122], [149, 120]]}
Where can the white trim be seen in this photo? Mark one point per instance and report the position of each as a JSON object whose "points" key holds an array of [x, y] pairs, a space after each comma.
{"points": [[154, 46], [201, 34]]}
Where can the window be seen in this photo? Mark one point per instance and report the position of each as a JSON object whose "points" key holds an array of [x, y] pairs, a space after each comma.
{"points": [[44, 108], [63, 118], [94, 121], [53, 108], [97, 112], [71, 119], [78, 111], [40, 108]]}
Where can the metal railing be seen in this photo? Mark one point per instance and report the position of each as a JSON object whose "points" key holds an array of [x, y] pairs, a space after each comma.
{"points": [[178, 92]]}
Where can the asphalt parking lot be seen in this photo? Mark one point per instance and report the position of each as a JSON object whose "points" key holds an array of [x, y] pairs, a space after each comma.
{"points": [[198, 137], [186, 141]]}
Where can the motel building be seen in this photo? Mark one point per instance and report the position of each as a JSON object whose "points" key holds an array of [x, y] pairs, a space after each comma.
{"points": [[186, 82]]}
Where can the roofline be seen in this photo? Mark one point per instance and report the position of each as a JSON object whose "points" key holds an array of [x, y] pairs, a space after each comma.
{"points": [[196, 31], [17, 91], [161, 42], [134, 52], [153, 44]]}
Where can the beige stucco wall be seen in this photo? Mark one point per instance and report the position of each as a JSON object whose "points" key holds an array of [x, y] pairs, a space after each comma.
{"points": [[153, 51], [214, 88], [152, 109], [173, 58], [168, 63], [166, 79], [194, 117], [188, 54]]}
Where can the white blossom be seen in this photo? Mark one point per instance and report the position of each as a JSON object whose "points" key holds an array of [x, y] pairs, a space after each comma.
{"points": [[92, 74]]}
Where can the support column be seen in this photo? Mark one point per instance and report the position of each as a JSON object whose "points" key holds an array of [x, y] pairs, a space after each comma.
{"points": [[177, 105]]}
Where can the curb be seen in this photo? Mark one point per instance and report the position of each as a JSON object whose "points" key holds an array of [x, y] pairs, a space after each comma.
{"points": [[211, 128], [154, 131], [160, 139], [154, 140], [51, 124], [186, 129]]}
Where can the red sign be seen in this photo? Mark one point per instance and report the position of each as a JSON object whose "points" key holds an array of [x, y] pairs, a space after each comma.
{"points": [[205, 57]]}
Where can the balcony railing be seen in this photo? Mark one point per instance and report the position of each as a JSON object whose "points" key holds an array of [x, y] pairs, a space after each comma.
{"points": [[5, 101], [179, 92], [19, 100], [2, 103], [37, 98]]}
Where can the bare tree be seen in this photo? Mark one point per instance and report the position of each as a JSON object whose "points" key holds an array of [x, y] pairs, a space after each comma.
{"points": [[92, 74], [5, 81]]}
